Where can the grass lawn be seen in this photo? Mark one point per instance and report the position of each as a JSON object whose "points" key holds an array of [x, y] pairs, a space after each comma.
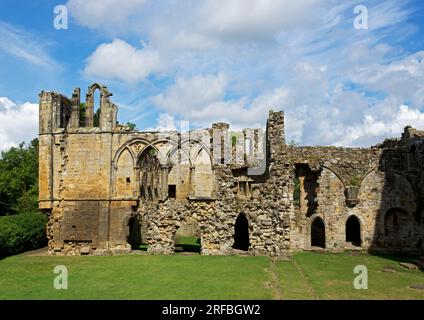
{"points": [[307, 276]]}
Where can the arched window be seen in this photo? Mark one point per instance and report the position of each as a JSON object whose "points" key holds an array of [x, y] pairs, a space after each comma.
{"points": [[318, 233], [96, 108]]}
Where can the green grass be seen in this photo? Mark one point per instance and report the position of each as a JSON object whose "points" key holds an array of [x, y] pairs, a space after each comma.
{"points": [[306, 276], [331, 276], [188, 244]]}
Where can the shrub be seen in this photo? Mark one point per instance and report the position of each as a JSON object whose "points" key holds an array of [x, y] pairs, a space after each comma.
{"points": [[23, 232]]}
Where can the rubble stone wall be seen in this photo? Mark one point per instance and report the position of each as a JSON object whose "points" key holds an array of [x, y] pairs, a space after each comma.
{"points": [[96, 179]]}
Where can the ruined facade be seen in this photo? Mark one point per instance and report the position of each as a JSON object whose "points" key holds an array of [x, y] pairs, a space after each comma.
{"points": [[108, 188]]}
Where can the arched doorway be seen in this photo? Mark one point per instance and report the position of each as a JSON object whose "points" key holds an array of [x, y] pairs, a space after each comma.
{"points": [[353, 231], [134, 236], [241, 233], [318, 233]]}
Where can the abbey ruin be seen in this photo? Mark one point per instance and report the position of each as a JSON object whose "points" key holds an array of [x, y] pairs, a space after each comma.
{"points": [[108, 188]]}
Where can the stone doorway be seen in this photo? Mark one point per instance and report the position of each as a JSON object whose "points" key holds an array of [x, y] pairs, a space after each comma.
{"points": [[134, 236], [353, 231], [318, 233], [241, 233]]}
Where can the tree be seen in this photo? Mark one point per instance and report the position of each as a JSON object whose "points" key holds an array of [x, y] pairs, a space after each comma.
{"points": [[19, 179], [96, 118], [82, 115], [132, 126]]}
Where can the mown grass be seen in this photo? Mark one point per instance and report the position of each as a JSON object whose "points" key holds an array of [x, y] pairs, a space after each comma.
{"points": [[331, 276], [307, 276], [136, 277], [187, 244]]}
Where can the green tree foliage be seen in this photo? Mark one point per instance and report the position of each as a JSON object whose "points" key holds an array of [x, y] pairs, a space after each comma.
{"points": [[19, 179], [132, 126], [22, 232], [233, 140], [82, 115], [96, 118], [354, 181]]}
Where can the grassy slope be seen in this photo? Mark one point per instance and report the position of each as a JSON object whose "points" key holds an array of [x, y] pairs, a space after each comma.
{"points": [[308, 276]]}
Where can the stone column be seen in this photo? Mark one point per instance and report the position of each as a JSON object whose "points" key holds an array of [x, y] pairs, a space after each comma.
{"points": [[89, 110]]}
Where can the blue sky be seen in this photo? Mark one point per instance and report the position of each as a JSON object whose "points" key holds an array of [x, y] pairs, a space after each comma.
{"points": [[214, 60]]}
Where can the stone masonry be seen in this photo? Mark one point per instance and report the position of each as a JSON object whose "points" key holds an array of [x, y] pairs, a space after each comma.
{"points": [[103, 184]]}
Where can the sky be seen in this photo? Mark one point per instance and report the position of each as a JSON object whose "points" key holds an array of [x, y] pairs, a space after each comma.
{"points": [[173, 62]]}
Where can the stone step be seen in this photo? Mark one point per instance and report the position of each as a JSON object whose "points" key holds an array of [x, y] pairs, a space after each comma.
{"points": [[240, 252], [409, 266]]}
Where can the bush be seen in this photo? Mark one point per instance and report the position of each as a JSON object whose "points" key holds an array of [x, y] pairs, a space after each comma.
{"points": [[23, 232]]}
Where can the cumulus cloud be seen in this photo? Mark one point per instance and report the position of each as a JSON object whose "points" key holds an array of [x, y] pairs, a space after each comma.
{"points": [[403, 78], [373, 129], [6, 104], [233, 60], [316, 112], [190, 94], [201, 100], [19, 123], [119, 60]]}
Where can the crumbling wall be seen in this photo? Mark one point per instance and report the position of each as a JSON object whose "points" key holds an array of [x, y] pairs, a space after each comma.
{"points": [[95, 180]]}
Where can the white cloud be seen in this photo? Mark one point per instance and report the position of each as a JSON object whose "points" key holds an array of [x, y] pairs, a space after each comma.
{"points": [[25, 46], [188, 95], [119, 60], [233, 60], [105, 14], [256, 20], [18, 123], [403, 78], [316, 113], [201, 100], [374, 129], [6, 104], [166, 122]]}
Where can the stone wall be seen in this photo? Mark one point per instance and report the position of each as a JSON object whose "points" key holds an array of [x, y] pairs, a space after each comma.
{"points": [[97, 179]]}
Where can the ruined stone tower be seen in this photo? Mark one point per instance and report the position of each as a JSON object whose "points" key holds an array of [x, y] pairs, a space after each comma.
{"points": [[237, 191]]}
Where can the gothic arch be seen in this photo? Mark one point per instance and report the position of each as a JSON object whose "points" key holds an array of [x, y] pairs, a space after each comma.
{"points": [[336, 174], [128, 144], [366, 175], [174, 150], [89, 102]]}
